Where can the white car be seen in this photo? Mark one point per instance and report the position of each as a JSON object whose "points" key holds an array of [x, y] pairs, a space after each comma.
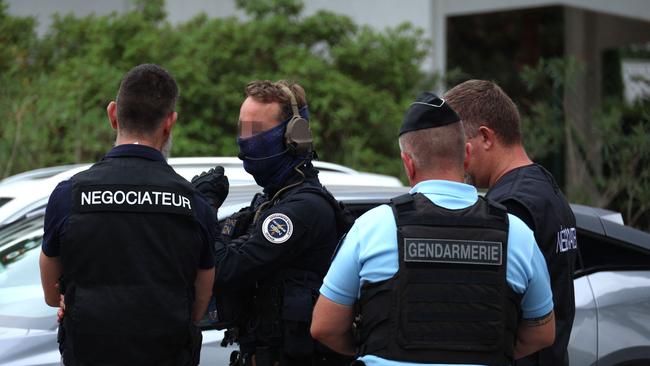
{"points": [[28, 327], [612, 287], [38, 174], [23, 193]]}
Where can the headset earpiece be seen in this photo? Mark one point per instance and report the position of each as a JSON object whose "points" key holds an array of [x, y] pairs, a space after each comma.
{"points": [[297, 137]]}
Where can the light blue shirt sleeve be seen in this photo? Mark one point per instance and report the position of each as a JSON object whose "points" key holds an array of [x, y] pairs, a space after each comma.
{"points": [[368, 254], [341, 284], [527, 273]]}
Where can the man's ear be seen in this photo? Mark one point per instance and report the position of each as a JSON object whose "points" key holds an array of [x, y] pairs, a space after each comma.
{"points": [[488, 137], [169, 123], [409, 166], [468, 155], [111, 110]]}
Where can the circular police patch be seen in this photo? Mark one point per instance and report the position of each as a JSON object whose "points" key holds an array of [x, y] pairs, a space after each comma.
{"points": [[277, 228]]}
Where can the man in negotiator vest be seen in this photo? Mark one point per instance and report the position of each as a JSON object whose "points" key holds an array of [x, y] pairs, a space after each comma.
{"points": [[131, 242], [439, 276]]}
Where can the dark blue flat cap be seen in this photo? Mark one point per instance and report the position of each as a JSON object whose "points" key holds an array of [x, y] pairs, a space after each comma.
{"points": [[428, 111]]}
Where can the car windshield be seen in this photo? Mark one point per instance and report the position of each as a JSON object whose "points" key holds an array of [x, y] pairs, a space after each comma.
{"points": [[21, 297]]}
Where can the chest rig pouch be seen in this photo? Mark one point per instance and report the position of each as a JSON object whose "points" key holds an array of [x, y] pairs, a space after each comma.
{"points": [[449, 301]]}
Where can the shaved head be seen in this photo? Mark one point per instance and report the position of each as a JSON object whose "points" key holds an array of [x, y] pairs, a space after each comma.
{"points": [[436, 149]]}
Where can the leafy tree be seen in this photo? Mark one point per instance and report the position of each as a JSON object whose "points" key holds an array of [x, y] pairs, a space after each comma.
{"points": [[619, 175], [357, 79], [17, 38]]}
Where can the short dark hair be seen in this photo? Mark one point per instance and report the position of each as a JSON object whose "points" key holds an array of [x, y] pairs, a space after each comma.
{"points": [[266, 91], [481, 102], [147, 95]]}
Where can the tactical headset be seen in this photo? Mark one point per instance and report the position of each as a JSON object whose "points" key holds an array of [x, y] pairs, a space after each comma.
{"points": [[297, 137]]}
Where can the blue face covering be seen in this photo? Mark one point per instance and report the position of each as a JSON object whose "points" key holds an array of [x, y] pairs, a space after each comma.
{"points": [[265, 157]]}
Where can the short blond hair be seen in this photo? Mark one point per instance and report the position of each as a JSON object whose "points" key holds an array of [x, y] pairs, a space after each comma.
{"points": [[267, 91]]}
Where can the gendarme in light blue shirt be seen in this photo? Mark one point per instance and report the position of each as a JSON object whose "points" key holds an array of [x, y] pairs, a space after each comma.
{"points": [[369, 254]]}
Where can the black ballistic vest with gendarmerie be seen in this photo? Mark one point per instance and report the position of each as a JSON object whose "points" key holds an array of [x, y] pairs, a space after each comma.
{"points": [[130, 255], [449, 301]]}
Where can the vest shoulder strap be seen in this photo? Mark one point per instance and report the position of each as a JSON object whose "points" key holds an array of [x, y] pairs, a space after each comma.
{"points": [[344, 218], [405, 211], [401, 205], [402, 200]]}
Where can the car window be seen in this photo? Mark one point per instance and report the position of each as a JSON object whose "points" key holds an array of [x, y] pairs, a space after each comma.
{"points": [[4, 200], [18, 260], [359, 209], [598, 253], [21, 296]]}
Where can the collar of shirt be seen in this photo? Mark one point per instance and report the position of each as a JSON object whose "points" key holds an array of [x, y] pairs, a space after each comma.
{"points": [[135, 150], [447, 194]]}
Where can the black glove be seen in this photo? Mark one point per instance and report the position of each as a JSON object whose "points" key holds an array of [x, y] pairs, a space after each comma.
{"points": [[213, 184], [237, 224]]}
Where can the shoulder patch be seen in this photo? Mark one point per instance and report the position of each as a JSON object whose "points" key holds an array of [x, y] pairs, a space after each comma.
{"points": [[277, 228]]}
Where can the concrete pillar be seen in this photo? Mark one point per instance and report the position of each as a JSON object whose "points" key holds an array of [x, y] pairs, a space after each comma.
{"points": [[587, 34], [439, 27], [582, 93]]}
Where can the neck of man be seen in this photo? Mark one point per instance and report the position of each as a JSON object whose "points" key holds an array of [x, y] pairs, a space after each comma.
{"points": [[293, 177], [509, 158], [124, 139], [449, 175]]}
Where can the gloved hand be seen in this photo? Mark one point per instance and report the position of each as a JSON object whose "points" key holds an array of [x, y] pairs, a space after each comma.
{"points": [[213, 184]]}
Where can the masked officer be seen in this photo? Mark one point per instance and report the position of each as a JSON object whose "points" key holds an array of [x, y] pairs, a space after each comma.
{"points": [[439, 275], [499, 162], [131, 241], [273, 255]]}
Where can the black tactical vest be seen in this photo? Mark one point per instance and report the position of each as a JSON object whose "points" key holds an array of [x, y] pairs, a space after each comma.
{"points": [[449, 301], [277, 319], [130, 254], [554, 226]]}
